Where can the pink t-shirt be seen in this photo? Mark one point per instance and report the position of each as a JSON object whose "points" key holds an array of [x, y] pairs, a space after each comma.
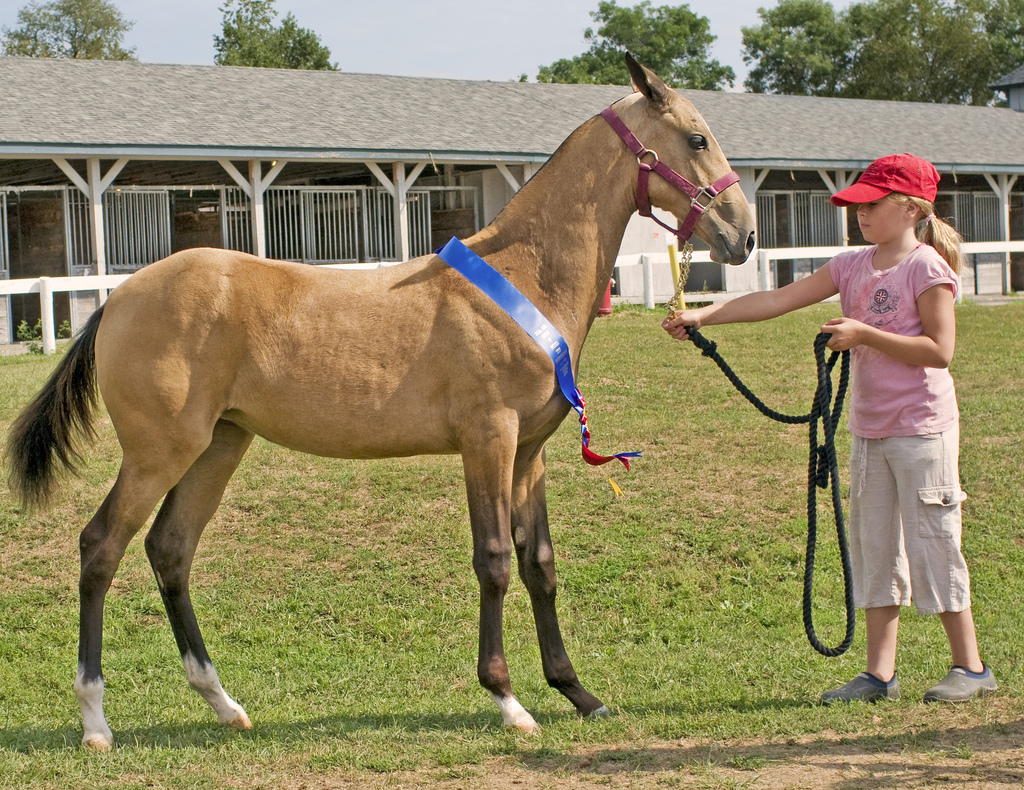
{"points": [[889, 397]]}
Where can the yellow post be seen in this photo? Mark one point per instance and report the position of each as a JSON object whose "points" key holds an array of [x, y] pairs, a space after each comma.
{"points": [[673, 261]]}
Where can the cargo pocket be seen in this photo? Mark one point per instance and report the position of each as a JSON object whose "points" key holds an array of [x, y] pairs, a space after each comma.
{"points": [[939, 511]]}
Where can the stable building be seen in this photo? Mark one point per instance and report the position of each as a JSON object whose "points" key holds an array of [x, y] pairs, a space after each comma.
{"points": [[108, 166]]}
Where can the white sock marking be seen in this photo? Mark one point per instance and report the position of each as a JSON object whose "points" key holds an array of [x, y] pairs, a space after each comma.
{"points": [[205, 681], [96, 734], [514, 715]]}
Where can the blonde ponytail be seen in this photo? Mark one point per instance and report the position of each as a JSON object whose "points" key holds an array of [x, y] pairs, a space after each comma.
{"points": [[937, 233]]}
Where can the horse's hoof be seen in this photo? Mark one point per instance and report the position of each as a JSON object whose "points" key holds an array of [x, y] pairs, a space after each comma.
{"points": [[240, 722], [515, 715], [98, 743], [600, 713]]}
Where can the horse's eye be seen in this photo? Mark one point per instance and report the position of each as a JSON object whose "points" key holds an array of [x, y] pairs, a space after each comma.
{"points": [[698, 142]]}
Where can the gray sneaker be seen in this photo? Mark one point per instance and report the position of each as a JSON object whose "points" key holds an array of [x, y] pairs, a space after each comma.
{"points": [[960, 686], [864, 687]]}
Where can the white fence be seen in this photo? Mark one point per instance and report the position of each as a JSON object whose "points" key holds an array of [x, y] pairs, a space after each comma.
{"points": [[647, 278], [46, 287]]}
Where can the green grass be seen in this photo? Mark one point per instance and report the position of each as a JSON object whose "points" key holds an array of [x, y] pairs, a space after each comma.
{"points": [[340, 607]]}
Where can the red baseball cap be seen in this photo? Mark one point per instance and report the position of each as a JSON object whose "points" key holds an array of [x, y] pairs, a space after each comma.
{"points": [[903, 173]]}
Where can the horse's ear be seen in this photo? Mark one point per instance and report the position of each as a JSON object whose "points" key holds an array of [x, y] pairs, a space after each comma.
{"points": [[646, 81]]}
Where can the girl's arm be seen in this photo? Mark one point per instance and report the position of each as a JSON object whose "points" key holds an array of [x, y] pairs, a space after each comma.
{"points": [[757, 306], [931, 349]]}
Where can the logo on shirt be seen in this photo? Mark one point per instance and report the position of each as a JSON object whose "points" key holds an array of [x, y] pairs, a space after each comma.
{"points": [[884, 301]]}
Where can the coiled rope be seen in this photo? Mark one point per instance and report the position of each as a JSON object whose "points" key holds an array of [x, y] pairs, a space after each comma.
{"points": [[822, 467]]}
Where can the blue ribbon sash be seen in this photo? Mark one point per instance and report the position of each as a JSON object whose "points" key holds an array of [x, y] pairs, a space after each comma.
{"points": [[525, 313]]}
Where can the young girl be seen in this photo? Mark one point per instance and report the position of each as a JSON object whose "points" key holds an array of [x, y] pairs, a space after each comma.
{"points": [[897, 301]]}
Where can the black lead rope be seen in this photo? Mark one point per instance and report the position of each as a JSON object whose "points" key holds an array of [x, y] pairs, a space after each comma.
{"points": [[822, 467]]}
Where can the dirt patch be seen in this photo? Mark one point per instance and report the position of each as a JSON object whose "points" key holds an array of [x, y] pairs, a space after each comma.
{"points": [[988, 756]]}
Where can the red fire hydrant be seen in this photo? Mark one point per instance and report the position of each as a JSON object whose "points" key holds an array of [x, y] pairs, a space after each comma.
{"points": [[606, 303]]}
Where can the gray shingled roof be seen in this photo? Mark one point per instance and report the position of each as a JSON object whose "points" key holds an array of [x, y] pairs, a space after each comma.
{"points": [[1014, 78], [105, 108]]}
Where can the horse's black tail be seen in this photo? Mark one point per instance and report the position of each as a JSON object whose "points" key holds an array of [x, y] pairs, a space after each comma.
{"points": [[42, 438]]}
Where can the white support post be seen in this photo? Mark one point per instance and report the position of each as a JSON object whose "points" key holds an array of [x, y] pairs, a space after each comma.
{"points": [[93, 188], [237, 177], [507, 174], [255, 187], [1002, 189], [843, 179], [398, 187], [401, 211], [381, 176], [648, 272], [259, 217], [97, 236], [763, 272], [46, 308]]}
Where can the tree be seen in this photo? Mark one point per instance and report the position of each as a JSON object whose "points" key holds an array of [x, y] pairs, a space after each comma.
{"points": [[671, 40], [946, 51], [801, 48], [1004, 25], [921, 50], [84, 29], [250, 39]]}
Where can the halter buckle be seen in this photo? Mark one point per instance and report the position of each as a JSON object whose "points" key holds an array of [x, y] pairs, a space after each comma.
{"points": [[703, 199]]}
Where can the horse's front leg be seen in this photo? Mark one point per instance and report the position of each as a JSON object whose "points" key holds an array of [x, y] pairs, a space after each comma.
{"points": [[536, 558], [488, 472]]}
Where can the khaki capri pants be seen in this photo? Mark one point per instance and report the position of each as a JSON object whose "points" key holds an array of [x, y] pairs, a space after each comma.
{"points": [[905, 523]]}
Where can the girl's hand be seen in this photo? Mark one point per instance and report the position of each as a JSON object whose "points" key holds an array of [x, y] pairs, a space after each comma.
{"points": [[680, 321], [846, 333]]}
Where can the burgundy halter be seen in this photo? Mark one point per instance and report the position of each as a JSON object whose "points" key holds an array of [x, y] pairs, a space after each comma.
{"points": [[700, 197]]}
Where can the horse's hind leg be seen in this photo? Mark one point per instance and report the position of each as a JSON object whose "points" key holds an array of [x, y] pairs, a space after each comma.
{"points": [[536, 560], [102, 545], [171, 545]]}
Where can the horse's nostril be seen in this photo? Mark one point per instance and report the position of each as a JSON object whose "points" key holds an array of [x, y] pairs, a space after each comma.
{"points": [[750, 243]]}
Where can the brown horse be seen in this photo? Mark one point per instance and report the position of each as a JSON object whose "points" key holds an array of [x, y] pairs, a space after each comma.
{"points": [[196, 354]]}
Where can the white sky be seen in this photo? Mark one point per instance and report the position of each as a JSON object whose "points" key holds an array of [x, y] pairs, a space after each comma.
{"points": [[461, 39]]}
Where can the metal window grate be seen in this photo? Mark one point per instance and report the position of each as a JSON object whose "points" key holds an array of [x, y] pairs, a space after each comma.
{"points": [[976, 216], [283, 207], [381, 239], [766, 236], [76, 224], [808, 219], [331, 224], [987, 221], [236, 219], [138, 228], [419, 222]]}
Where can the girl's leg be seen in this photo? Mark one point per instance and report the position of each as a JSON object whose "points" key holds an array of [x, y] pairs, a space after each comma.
{"points": [[969, 678], [962, 641], [882, 623], [879, 682]]}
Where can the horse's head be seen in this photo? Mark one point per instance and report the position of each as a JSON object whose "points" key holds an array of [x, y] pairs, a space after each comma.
{"points": [[675, 134]]}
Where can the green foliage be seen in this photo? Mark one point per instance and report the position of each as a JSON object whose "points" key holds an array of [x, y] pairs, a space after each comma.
{"points": [[339, 603], [672, 40], [1004, 26], [900, 50], [86, 29], [32, 336], [922, 50], [250, 39], [800, 49]]}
